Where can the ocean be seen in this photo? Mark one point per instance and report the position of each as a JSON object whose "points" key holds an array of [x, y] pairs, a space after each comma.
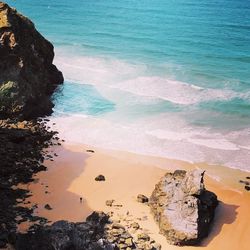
{"points": [[168, 78]]}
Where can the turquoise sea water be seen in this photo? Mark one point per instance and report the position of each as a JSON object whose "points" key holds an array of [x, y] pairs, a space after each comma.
{"points": [[167, 78]]}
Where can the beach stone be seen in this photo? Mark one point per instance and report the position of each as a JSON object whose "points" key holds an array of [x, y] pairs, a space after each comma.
{"points": [[245, 182], [144, 246], [143, 237], [109, 203], [122, 246], [121, 240], [248, 177], [156, 246], [48, 207], [182, 207], [100, 178], [118, 232], [118, 226], [135, 225], [142, 198], [126, 235], [129, 242], [90, 151], [28, 75], [247, 188]]}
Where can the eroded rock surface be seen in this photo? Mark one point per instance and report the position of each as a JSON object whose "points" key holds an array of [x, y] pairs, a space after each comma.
{"points": [[22, 152], [27, 74], [95, 233], [183, 207]]}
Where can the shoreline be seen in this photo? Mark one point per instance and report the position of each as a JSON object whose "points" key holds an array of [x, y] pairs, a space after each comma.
{"points": [[71, 176]]}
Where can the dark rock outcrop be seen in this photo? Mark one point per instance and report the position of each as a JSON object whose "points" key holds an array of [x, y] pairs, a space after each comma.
{"points": [[27, 74], [98, 232], [64, 235], [22, 151], [183, 207]]}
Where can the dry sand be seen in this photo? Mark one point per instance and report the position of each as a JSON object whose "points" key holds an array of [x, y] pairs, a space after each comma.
{"points": [[71, 176]]}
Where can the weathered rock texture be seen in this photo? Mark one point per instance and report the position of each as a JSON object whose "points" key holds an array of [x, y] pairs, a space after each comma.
{"points": [[97, 233], [27, 74], [183, 207], [64, 235], [22, 151]]}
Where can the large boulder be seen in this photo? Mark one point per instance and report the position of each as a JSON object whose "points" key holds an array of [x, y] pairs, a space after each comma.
{"points": [[27, 74], [182, 207]]}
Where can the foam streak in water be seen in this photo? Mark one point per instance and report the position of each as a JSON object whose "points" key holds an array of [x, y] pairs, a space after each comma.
{"points": [[134, 78]]}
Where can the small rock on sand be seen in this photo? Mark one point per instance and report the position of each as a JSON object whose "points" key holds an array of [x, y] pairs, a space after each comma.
{"points": [[109, 203], [143, 237], [135, 225], [244, 182], [48, 207], [142, 198], [100, 178], [90, 151]]}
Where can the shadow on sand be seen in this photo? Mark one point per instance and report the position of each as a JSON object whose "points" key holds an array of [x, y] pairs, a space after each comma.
{"points": [[225, 214], [53, 187]]}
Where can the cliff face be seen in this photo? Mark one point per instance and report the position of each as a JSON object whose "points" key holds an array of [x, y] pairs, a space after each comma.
{"points": [[27, 74]]}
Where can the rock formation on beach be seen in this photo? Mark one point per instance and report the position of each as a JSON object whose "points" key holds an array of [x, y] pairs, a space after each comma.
{"points": [[64, 235], [97, 233], [27, 74], [22, 151], [182, 207]]}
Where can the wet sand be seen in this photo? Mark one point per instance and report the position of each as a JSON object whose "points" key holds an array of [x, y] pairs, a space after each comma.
{"points": [[71, 176]]}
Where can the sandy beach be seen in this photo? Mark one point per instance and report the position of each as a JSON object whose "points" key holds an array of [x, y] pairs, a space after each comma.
{"points": [[71, 175]]}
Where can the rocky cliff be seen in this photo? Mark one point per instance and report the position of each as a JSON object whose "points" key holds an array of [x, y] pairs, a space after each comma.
{"points": [[27, 74], [183, 207]]}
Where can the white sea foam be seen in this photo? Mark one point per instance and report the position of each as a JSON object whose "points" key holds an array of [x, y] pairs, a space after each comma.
{"points": [[134, 78], [161, 134], [96, 70], [143, 137], [173, 91], [220, 143], [194, 137]]}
